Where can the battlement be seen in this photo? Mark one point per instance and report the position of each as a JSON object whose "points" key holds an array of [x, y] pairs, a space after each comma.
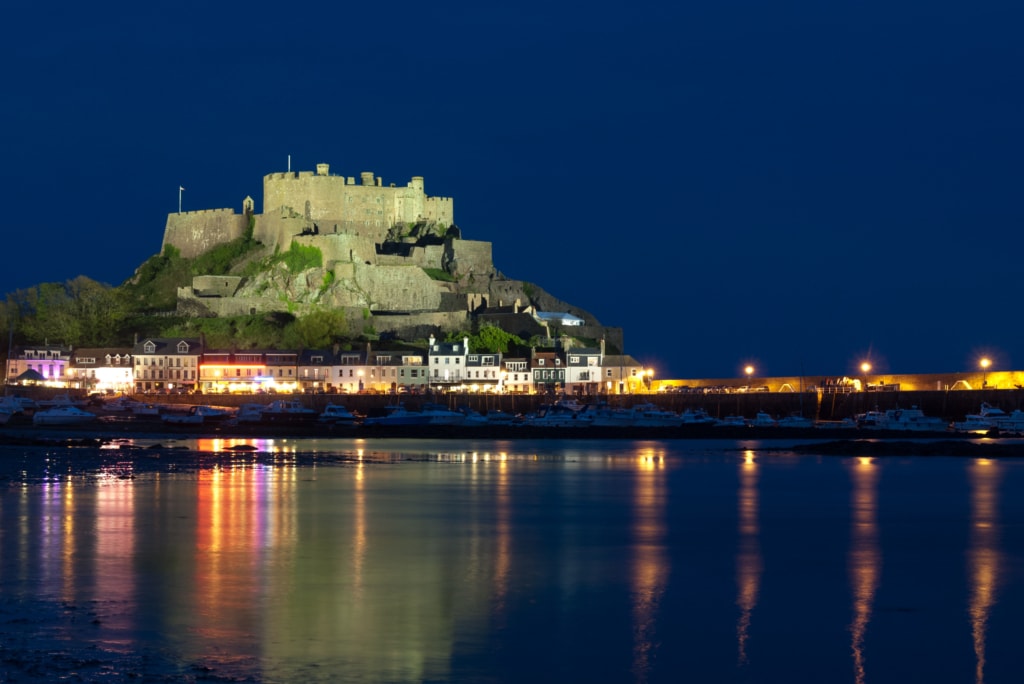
{"points": [[208, 212]]}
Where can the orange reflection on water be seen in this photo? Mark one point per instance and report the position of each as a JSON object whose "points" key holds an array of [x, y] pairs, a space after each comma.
{"points": [[749, 565], [359, 534], [984, 558], [650, 563], [865, 559], [217, 444], [244, 516], [115, 557]]}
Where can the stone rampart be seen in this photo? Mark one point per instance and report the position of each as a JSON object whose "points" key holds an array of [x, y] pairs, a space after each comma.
{"points": [[194, 232], [420, 326], [339, 248], [398, 288], [215, 286], [464, 257]]}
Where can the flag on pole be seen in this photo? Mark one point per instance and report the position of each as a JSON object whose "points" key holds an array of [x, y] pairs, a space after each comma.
{"points": [[181, 189]]}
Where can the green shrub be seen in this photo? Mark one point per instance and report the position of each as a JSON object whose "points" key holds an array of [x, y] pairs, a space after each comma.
{"points": [[439, 274], [299, 258]]}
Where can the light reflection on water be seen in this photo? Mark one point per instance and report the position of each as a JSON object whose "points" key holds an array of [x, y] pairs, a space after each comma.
{"points": [[864, 558], [748, 557], [984, 555], [490, 563]]}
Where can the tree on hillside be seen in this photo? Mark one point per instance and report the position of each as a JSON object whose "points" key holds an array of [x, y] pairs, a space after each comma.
{"points": [[319, 328], [490, 338], [80, 312]]}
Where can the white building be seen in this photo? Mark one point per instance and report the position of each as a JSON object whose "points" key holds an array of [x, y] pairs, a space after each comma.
{"points": [[447, 363], [101, 370], [166, 364]]}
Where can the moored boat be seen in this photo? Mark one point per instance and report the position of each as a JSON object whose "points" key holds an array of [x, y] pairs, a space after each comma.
{"points": [[287, 411], [988, 419], [649, 415], [795, 421], [437, 414], [907, 420], [559, 416], [338, 415], [197, 415], [696, 416], [63, 415], [397, 415]]}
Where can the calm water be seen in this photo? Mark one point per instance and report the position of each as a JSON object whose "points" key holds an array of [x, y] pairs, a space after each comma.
{"points": [[543, 561]]}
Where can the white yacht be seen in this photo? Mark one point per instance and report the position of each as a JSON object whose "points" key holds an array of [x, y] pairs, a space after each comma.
{"points": [[910, 420], [336, 414], [695, 417], [795, 420], [649, 415], [63, 415], [397, 415], [988, 418], [287, 411], [439, 414], [559, 416]]}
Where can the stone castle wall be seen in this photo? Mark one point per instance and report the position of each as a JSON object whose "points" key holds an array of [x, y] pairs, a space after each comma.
{"points": [[196, 232], [338, 203], [420, 326], [397, 288], [464, 257], [215, 286]]}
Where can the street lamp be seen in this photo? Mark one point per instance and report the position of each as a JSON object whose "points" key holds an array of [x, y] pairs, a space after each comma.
{"points": [[865, 368], [648, 377], [984, 363], [749, 370]]}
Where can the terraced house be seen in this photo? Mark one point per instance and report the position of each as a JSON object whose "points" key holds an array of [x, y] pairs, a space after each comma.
{"points": [[166, 364]]}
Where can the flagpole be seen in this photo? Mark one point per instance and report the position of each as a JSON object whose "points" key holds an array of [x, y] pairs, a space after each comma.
{"points": [[180, 190]]}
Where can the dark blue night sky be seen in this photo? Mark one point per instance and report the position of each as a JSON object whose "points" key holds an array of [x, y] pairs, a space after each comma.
{"points": [[794, 184]]}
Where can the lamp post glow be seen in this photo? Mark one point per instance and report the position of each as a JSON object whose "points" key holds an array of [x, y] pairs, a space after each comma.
{"points": [[984, 363], [749, 370]]}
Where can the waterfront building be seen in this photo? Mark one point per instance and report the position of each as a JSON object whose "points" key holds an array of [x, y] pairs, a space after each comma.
{"points": [[166, 364], [548, 371], [248, 371], [392, 372], [483, 372], [622, 374], [101, 370], [447, 362], [583, 369], [40, 364], [348, 373], [516, 376], [314, 370]]}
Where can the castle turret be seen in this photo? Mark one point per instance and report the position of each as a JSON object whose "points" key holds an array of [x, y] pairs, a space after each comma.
{"points": [[323, 169]]}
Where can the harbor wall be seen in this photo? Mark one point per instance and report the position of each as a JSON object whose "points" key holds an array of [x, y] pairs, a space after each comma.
{"points": [[950, 406]]}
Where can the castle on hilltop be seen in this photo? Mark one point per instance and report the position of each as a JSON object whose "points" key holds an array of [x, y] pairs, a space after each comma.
{"points": [[392, 259], [307, 203]]}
